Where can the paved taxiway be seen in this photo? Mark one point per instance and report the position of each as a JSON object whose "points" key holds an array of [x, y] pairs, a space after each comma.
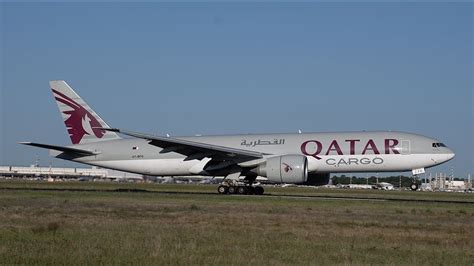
{"points": [[268, 195]]}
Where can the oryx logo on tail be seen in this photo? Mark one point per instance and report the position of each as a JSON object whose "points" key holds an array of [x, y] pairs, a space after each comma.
{"points": [[82, 123], [79, 121]]}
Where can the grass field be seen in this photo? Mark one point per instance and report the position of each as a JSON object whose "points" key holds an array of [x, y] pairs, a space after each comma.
{"points": [[95, 225]]}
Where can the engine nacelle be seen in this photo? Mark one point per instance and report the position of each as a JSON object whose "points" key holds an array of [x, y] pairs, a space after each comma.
{"points": [[291, 168]]}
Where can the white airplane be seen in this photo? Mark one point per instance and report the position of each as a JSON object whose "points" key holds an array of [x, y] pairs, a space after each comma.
{"points": [[384, 186], [302, 158]]}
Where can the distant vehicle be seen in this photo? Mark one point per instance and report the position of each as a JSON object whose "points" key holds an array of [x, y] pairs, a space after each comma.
{"points": [[301, 158], [384, 186], [168, 180], [355, 186]]}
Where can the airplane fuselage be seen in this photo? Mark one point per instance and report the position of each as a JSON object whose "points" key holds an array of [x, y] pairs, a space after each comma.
{"points": [[326, 152], [306, 158]]}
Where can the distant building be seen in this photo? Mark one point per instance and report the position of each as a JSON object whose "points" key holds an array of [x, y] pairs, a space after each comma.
{"points": [[52, 173], [442, 182]]}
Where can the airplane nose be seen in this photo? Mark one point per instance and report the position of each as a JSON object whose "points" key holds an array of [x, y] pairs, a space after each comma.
{"points": [[450, 155]]}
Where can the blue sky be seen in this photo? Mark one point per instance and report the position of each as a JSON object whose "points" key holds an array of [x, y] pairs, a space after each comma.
{"points": [[210, 68]]}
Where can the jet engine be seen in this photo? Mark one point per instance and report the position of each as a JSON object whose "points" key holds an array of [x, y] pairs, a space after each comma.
{"points": [[291, 168]]}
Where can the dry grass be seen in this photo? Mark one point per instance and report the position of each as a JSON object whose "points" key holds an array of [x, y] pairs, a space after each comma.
{"points": [[55, 227]]}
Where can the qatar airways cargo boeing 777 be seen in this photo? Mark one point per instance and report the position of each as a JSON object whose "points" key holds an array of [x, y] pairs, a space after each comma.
{"points": [[306, 158]]}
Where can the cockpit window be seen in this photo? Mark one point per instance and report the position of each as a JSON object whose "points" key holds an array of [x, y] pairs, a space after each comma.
{"points": [[438, 144]]}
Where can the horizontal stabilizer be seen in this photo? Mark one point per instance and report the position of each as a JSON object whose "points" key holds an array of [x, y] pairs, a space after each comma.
{"points": [[61, 148]]}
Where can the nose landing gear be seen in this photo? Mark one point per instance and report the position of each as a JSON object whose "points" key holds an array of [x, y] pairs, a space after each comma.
{"points": [[415, 181], [414, 186]]}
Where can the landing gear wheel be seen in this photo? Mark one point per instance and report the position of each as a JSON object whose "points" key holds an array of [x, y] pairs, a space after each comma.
{"points": [[242, 190], [222, 189], [259, 190], [231, 190], [414, 187], [250, 190]]}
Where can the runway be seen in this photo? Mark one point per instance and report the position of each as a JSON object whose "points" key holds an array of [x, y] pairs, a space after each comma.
{"points": [[266, 195]]}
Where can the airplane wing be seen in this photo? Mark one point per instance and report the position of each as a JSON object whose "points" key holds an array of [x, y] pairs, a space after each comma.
{"points": [[194, 150], [70, 150]]}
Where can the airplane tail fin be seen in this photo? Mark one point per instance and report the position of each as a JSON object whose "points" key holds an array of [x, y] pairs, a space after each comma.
{"points": [[82, 123]]}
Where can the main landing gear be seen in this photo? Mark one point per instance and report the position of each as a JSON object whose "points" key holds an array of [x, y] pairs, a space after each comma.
{"points": [[234, 187]]}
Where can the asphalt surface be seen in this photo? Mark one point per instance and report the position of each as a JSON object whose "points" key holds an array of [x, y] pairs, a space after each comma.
{"points": [[266, 195]]}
